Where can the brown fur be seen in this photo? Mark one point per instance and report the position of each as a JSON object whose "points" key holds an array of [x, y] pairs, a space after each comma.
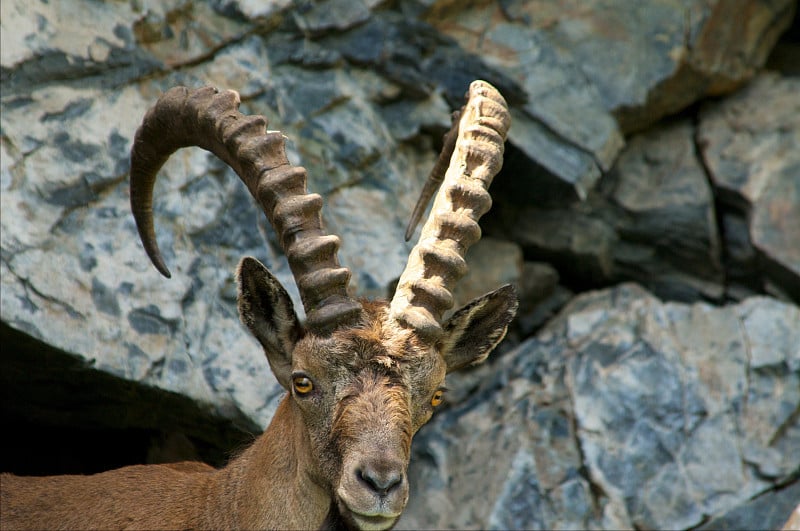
{"points": [[182, 495]]}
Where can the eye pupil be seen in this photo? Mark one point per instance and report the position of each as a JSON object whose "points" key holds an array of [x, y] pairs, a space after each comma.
{"points": [[302, 384], [437, 398]]}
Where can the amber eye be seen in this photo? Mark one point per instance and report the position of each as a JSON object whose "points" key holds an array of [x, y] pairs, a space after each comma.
{"points": [[302, 385], [437, 397]]}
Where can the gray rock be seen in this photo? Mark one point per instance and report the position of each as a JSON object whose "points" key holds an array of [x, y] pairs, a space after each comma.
{"points": [[752, 151], [106, 304], [624, 412], [768, 511], [179, 33], [653, 219], [492, 263], [563, 126], [252, 9], [45, 43], [319, 17], [579, 243], [668, 219], [541, 296], [575, 63]]}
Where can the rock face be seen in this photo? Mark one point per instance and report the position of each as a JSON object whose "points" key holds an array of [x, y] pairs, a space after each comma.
{"points": [[753, 159], [623, 412], [696, 208], [648, 145]]}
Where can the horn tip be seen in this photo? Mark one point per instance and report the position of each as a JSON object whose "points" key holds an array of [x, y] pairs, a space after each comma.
{"points": [[409, 230], [162, 268], [158, 262]]}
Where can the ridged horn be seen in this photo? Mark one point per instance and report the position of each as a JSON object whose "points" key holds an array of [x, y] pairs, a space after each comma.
{"points": [[210, 119], [436, 263]]}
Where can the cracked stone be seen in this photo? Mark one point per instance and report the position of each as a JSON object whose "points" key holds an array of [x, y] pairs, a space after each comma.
{"points": [[752, 152], [659, 401], [662, 188]]}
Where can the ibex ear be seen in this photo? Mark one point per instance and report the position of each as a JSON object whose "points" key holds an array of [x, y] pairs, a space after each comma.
{"points": [[474, 330], [267, 310]]}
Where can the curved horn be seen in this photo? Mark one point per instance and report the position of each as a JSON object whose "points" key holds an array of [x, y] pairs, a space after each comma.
{"points": [[210, 119], [436, 263]]}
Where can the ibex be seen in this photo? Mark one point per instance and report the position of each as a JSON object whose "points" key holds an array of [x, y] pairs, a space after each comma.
{"points": [[362, 376]]}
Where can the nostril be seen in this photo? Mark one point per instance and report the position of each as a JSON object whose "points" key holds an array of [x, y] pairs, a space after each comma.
{"points": [[381, 482]]}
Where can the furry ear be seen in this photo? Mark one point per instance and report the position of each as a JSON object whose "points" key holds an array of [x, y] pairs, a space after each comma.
{"points": [[472, 332], [267, 311]]}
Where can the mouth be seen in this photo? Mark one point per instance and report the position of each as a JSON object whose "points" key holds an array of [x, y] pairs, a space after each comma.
{"points": [[363, 508], [373, 522], [369, 521]]}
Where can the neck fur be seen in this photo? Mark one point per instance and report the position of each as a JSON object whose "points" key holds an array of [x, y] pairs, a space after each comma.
{"points": [[269, 485]]}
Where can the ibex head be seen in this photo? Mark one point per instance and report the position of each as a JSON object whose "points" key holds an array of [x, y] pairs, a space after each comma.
{"points": [[363, 376]]}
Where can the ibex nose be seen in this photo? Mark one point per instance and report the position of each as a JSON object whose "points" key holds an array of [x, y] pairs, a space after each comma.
{"points": [[382, 478]]}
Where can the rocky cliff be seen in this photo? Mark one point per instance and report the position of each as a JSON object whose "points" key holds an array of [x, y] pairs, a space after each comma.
{"points": [[648, 212]]}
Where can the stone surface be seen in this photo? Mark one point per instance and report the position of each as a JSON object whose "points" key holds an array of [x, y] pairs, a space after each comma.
{"points": [[668, 224], [752, 151], [576, 61], [624, 412], [773, 508], [694, 208], [660, 232], [563, 126], [492, 263]]}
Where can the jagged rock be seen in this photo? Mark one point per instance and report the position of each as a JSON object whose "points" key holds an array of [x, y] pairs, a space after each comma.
{"points": [[624, 412], [783, 57], [575, 58], [252, 9], [652, 219], [678, 410], [680, 52], [668, 235], [773, 507], [45, 43], [563, 126], [752, 151], [580, 244], [541, 296], [179, 33]]}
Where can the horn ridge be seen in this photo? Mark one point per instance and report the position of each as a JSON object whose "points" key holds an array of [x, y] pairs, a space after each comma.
{"points": [[209, 118], [436, 263]]}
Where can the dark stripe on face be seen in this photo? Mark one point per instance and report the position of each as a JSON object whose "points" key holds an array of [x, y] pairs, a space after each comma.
{"points": [[376, 404]]}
